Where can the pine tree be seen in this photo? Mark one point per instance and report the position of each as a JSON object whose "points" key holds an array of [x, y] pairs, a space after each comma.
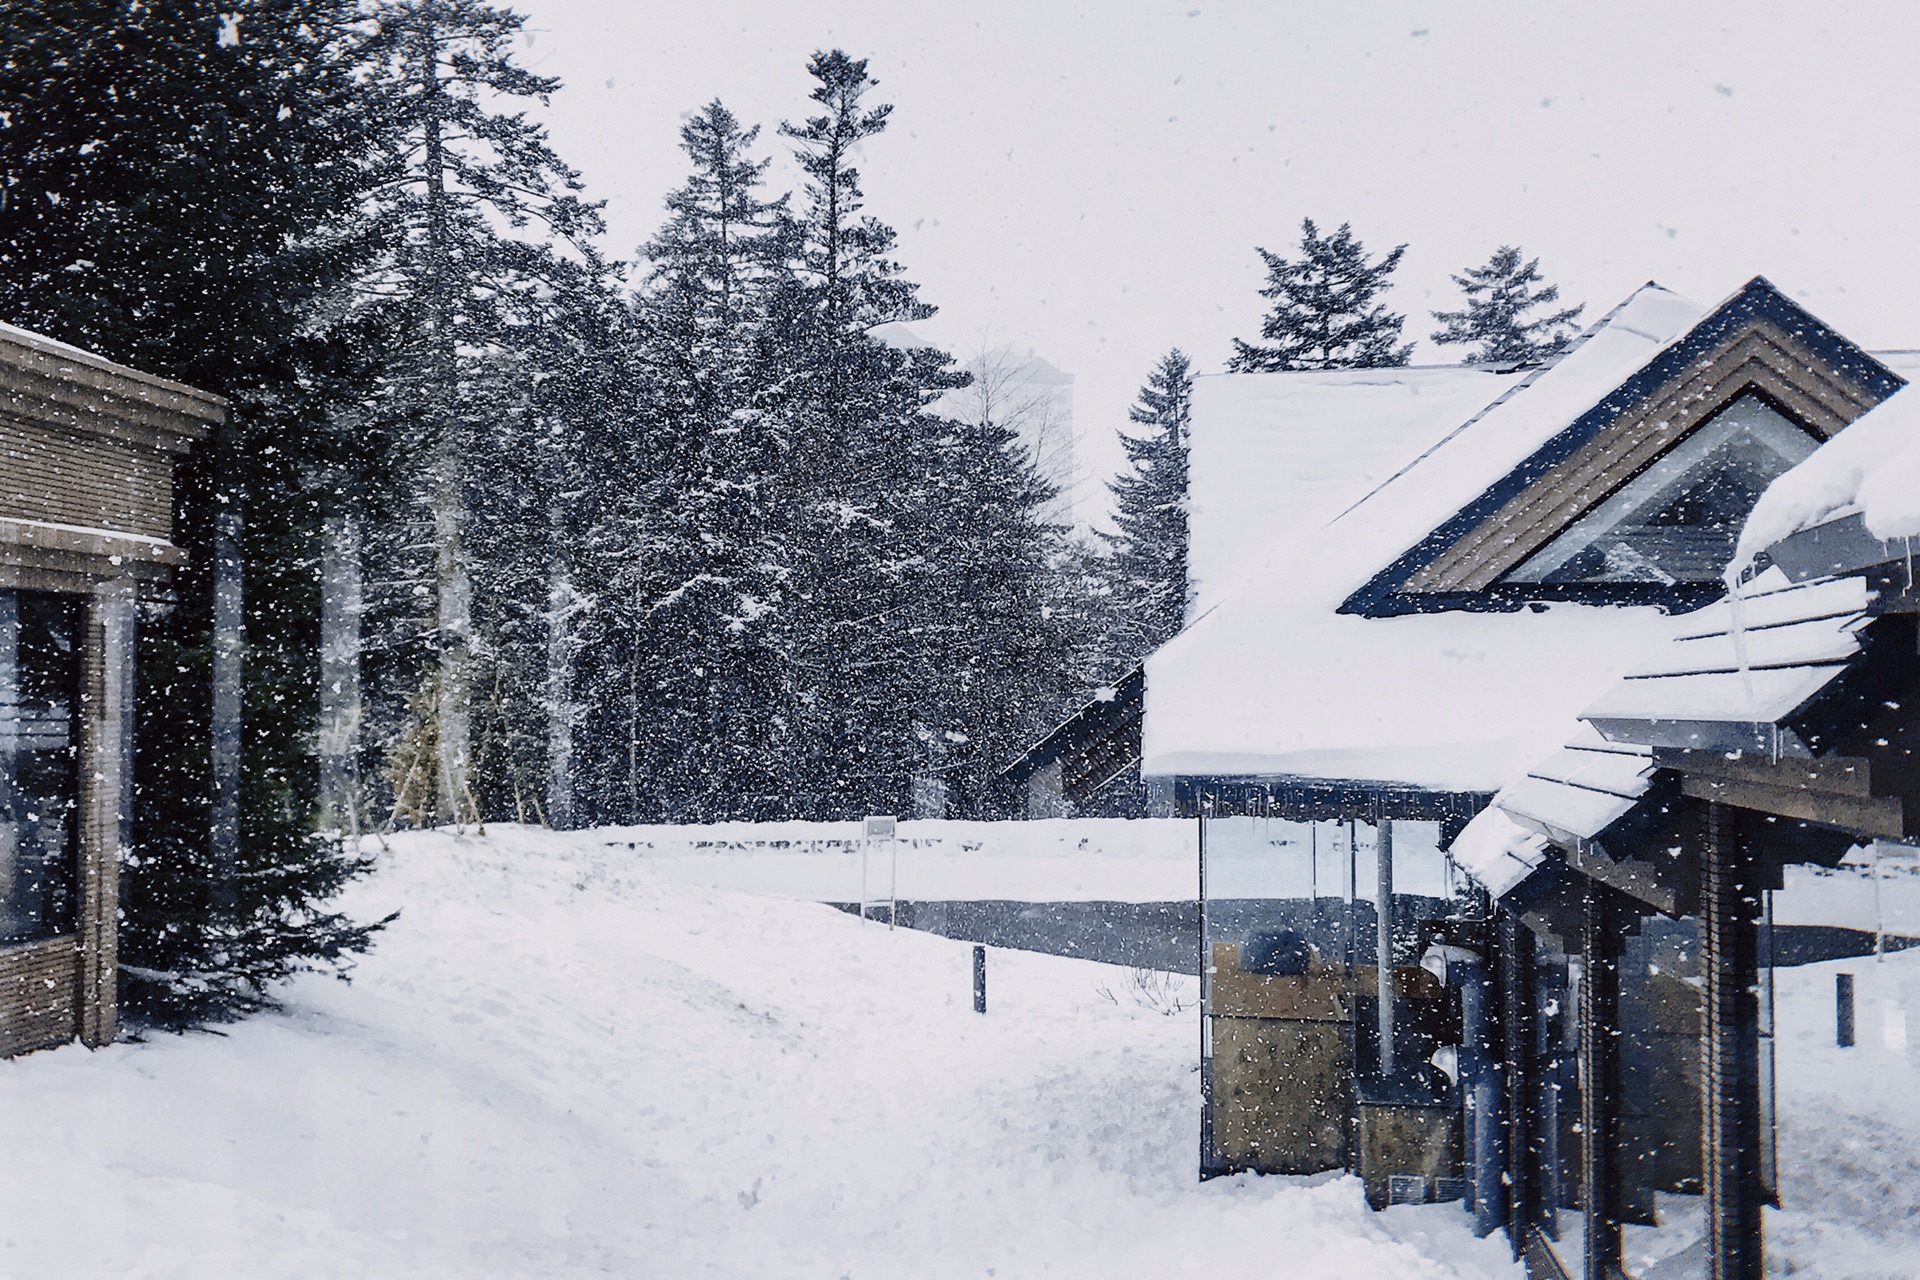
{"points": [[474, 204], [1499, 298], [1146, 565], [183, 187], [698, 595], [852, 412], [1325, 310]]}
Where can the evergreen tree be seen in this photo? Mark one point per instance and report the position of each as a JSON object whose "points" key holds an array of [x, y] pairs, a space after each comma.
{"points": [[1146, 566], [1496, 319], [182, 188], [697, 591], [1325, 310], [474, 203], [913, 619]]}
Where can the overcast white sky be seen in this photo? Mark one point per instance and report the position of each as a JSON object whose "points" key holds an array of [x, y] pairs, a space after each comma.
{"points": [[1090, 179]]}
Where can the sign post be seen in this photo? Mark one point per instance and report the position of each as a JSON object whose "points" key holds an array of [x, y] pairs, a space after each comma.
{"points": [[881, 827]]}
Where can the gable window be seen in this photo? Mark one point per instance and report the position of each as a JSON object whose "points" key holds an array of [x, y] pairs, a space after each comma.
{"points": [[1677, 521], [39, 764]]}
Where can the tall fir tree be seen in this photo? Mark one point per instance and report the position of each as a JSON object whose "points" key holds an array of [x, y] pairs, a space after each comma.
{"points": [[473, 208], [853, 412], [1146, 564], [914, 609], [698, 594], [183, 189], [1326, 313], [1498, 319]]}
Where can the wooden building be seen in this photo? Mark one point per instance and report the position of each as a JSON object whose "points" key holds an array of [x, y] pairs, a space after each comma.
{"points": [[1776, 728], [86, 512], [1397, 656]]}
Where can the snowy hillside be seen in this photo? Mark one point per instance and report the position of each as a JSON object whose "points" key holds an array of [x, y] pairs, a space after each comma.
{"points": [[561, 1062]]}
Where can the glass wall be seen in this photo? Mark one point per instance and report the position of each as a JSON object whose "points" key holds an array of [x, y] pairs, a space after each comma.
{"points": [[39, 763], [1290, 1016]]}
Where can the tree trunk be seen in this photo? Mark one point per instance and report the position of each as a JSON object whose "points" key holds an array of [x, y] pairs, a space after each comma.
{"points": [[559, 693], [340, 706], [455, 596], [229, 671]]}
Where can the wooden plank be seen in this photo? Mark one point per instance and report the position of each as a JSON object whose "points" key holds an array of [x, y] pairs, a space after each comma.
{"points": [[1837, 775], [1877, 816]]}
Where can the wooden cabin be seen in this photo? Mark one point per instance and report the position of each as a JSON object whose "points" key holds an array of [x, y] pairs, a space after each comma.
{"points": [[1775, 729], [1417, 637], [86, 517]]}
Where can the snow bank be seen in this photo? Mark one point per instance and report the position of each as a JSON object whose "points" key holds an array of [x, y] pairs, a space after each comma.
{"points": [[560, 1062], [1047, 860]]}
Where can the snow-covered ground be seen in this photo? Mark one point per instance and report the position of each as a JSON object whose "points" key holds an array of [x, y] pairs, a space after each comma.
{"points": [[560, 1061], [568, 1057]]}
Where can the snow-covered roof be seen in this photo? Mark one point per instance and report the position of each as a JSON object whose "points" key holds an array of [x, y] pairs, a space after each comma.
{"points": [[204, 404], [1275, 681], [1871, 469], [1736, 670], [1276, 455], [1730, 679]]}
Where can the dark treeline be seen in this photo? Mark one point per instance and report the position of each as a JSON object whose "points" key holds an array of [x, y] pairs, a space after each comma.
{"points": [[501, 529]]}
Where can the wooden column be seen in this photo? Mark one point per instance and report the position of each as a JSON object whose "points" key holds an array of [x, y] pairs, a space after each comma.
{"points": [[106, 799], [1730, 1145], [1519, 1032], [1600, 1083], [1383, 940]]}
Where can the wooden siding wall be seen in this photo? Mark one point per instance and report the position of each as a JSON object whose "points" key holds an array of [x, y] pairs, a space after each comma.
{"points": [[1761, 358], [39, 991], [64, 477]]}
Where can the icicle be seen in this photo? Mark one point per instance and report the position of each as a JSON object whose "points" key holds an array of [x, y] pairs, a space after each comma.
{"points": [[1737, 631]]}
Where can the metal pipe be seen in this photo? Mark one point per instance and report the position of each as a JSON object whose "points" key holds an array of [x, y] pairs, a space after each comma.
{"points": [[1383, 912]]}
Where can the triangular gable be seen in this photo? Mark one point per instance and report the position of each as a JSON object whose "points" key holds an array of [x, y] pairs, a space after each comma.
{"points": [[1758, 349]]}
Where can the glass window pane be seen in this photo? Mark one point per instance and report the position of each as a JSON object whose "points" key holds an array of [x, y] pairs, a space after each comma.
{"points": [[1678, 520], [39, 764]]}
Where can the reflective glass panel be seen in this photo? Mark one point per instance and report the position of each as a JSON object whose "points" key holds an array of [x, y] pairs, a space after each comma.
{"points": [[1678, 520], [39, 764]]}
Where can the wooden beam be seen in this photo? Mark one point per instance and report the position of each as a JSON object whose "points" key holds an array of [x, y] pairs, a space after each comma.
{"points": [[1883, 817], [1600, 1084], [1838, 775], [1640, 882]]}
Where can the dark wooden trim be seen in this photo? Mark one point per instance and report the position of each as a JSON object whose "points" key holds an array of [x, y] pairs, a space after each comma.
{"points": [[1755, 307], [1880, 817], [1639, 881]]}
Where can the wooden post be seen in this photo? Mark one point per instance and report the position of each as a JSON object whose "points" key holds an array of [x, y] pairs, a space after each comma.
{"points": [[1600, 1084], [1730, 1147], [1383, 949], [1843, 1010], [1519, 1031], [979, 979]]}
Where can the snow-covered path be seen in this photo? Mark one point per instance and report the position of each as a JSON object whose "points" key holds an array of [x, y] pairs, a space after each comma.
{"points": [[559, 1062]]}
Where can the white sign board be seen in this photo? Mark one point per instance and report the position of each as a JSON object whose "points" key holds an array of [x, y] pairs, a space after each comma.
{"points": [[881, 827]]}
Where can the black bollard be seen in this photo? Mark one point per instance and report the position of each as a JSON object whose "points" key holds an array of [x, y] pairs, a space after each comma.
{"points": [[1843, 1010], [979, 979]]}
